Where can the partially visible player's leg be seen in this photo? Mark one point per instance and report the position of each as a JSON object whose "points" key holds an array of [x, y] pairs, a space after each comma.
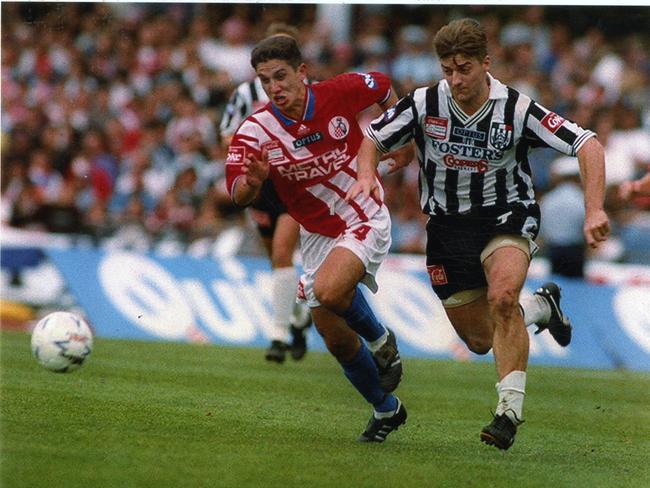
{"points": [[293, 317], [279, 279], [361, 370]]}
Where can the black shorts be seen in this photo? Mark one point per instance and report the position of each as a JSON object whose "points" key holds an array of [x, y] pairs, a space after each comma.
{"points": [[266, 209], [455, 243]]}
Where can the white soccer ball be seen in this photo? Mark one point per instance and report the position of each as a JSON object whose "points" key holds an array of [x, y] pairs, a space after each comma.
{"points": [[61, 341]]}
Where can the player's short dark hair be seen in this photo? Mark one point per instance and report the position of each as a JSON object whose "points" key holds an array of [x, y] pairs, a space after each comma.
{"points": [[284, 48], [463, 36]]}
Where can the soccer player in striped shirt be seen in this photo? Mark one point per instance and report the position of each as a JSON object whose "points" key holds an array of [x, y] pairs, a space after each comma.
{"points": [[277, 229], [305, 140], [472, 135]]}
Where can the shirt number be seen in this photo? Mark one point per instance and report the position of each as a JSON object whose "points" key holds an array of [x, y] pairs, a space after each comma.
{"points": [[361, 232]]}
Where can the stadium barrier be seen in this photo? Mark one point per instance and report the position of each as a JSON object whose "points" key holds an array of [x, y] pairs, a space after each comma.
{"points": [[228, 301]]}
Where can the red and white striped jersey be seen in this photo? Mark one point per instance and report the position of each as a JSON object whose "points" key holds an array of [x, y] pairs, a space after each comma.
{"points": [[313, 160]]}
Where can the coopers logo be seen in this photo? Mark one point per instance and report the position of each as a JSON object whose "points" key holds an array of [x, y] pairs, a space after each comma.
{"points": [[469, 165]]}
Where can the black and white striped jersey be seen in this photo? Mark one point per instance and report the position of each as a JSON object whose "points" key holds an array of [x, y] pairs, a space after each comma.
{"points": [[246, 99], [468, 162]]}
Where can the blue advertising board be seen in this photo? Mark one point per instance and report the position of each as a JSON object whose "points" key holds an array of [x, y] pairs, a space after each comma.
{"points": [[228, 301]]}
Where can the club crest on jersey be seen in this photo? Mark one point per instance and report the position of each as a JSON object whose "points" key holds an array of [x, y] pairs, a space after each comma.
{"points": [[338, 127], [389, 114], [236, 155], [500, 135], [274, 152], [436, 127], [552, 121]]}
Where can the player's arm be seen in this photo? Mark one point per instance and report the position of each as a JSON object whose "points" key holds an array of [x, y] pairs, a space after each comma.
{"points": [[591, 157], [247, 186], [246, 166], [405, 155], [366, 172], [571, 139]]}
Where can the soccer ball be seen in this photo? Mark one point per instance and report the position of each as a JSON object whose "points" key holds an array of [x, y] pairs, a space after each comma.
{"points": [[61, 341]]}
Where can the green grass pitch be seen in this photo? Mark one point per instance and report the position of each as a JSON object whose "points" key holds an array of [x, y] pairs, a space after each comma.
{"points": [[155, 414]]}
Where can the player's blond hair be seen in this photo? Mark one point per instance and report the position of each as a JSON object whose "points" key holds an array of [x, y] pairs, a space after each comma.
{"points": [[463, 36]]}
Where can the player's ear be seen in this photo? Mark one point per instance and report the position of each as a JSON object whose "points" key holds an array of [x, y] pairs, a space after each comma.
{"points": [[487, 61], [302, 71]]}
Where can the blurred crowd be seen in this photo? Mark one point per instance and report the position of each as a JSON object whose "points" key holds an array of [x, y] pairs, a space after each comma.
{"points": [[110, 111]]}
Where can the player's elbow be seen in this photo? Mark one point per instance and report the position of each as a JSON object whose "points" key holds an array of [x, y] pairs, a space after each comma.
{"points": [[592, 148]]}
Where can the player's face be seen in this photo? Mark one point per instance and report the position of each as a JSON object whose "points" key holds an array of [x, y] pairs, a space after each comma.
{"points": [[467, 78], [284, 85]]}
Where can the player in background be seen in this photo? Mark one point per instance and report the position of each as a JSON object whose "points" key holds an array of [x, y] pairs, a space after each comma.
{"points": [[473, 134], [305, 141], [635, 188], [278, 230]]}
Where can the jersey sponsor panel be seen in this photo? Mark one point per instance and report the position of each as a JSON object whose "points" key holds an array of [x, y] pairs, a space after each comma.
{"points": [[479, 160], [312, 161]]}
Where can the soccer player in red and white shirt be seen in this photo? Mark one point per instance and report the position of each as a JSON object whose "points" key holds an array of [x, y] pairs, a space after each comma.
{"points": [[305, 141]]}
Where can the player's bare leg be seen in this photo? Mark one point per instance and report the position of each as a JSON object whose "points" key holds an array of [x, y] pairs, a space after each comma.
{"points": [[473, 324], [505, 271]]}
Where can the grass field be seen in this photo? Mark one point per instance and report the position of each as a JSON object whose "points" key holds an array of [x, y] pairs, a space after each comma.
{"points": [[143, 414]]}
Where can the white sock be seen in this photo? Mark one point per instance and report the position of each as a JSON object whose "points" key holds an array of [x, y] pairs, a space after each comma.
{"points": [[511, 390], [283, 298], [301, 316], [534, 308], [377, 343]]}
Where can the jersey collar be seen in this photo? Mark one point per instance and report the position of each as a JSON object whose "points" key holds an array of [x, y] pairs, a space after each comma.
{"points": [[307, 114]]}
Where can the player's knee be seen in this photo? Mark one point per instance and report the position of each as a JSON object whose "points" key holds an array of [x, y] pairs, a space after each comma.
{"points": [[330, 297], [479, 345], [503, 302]]}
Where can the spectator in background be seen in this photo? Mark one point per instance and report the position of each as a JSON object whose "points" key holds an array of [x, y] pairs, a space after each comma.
{"points": [[562, 236], [120, 68], [640, 187], [414, 64]]}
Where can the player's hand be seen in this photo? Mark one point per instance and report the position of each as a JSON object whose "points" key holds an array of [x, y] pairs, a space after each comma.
{"points": [[400, 158], [256, 170], [367, 186], [626, 190], [596, 228]]}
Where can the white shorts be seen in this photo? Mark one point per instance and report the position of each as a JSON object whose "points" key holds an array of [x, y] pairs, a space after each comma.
{"points": [[369, 241]]}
